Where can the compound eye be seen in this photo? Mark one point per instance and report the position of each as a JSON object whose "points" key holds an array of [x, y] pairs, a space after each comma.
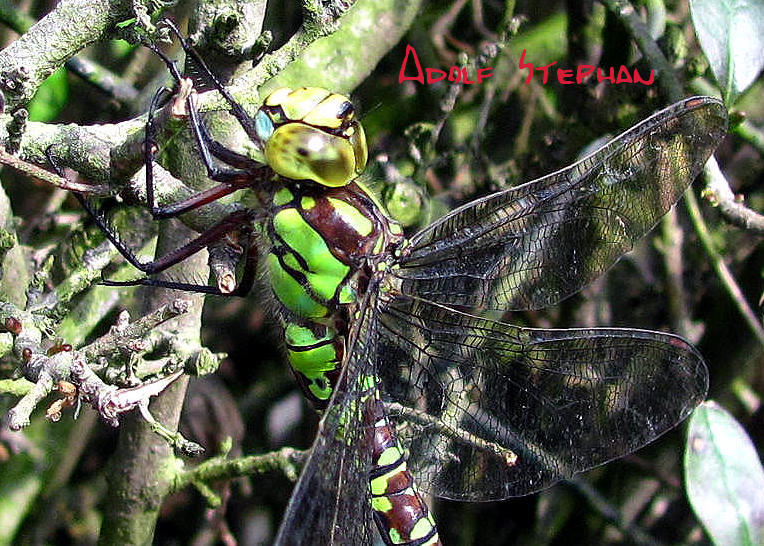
{"points": [[302, 152]]}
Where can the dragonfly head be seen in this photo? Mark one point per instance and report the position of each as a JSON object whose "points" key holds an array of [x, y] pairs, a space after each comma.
{"points": [[312, 134]]}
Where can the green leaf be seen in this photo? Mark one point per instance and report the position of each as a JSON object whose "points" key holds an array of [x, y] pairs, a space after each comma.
{"points": [[731, 33], [126, 23], [50, 97], [19, 487], [724, 477]]}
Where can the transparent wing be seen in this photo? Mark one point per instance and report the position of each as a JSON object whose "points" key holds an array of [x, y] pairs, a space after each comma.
{"points": [[531, 246], [330, 503], [489, 410]]}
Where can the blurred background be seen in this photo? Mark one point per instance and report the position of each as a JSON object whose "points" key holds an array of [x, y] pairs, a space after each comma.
{"points": [[432, 148]]}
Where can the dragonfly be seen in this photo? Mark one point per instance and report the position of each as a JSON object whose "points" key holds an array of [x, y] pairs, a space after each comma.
{"points": [[388, 335]]}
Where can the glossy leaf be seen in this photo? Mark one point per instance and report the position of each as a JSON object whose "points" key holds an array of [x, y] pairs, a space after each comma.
{"points": [[731, 33], [725, 479]]}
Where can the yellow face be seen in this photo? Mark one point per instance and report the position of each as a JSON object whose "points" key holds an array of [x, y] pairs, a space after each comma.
{"points": [[312, 134]]}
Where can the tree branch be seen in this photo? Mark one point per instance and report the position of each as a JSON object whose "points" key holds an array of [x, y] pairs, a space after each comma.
{"points": [[144, 466], [719, 193], [70, 27], [87, 69], [287, 460]]}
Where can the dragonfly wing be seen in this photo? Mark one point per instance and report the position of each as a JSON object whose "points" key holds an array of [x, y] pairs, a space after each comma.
{"points": [[533, 245], [468, 395], [330, 503]]}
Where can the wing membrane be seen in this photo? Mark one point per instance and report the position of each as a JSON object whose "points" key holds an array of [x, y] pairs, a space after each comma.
{"points": [[489, 410], [470, 393], [531, 246], [330, 503]]}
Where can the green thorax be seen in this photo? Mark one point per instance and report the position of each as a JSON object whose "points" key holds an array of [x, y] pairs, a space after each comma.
{"points": [[325, 245], [327, 232]]}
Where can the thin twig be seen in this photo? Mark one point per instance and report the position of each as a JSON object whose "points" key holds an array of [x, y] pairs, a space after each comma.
{"points": [[88, 272], [288, 460], [51, 178], [124, 335], [672, 231], [45, 369], [672, 238], [670, 87], [719, 193], [751, 134], [717, 262], [505, 455], [92, 72], [665, 77], [62, 35], [441, 27], [635, 534], [102, 78]]}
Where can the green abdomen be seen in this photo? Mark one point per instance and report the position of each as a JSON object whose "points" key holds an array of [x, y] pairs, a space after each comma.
{"points": [[322, 242]]}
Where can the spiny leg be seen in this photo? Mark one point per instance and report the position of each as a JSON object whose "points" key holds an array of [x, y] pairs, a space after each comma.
{"points": [[250, 173], [232, 180], [242, 288], [217, 149], [245, 120], [239, 219], [244, 219]]}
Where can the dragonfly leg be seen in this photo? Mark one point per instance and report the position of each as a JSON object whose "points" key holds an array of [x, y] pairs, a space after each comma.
{"points": [[246, 121], [241, 220], [242, 172], [204, 140], [231, 179], [242, 288]]}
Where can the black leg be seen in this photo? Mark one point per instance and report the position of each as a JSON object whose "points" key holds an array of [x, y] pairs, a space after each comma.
{"points": [[247, 172], [242, 219], [150, 148], [245, 120], [209, 145], [241, 178], [204, 140], [230, 223], [242, 288]]}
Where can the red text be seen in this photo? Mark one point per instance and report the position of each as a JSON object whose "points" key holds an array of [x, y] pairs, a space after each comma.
{"points": [[583, 73], [455, 74]]}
